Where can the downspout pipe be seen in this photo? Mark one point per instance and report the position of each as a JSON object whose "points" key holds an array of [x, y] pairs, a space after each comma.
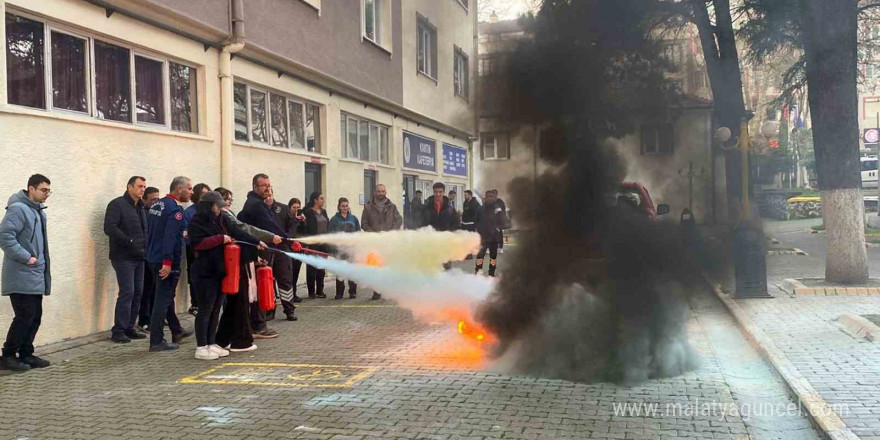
{"points": [[234, 45]]}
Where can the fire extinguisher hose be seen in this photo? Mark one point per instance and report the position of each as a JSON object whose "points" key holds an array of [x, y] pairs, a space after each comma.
{"points": [[304, 250]]}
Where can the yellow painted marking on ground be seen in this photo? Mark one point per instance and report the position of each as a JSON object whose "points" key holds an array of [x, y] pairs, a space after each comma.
{"points": [[309, 375], [352, 306]]}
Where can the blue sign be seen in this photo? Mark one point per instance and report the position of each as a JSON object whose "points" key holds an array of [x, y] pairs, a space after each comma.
{"points": [[454, 160], [419, 153]]}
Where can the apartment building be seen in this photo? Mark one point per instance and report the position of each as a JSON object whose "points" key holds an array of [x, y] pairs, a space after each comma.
{"points": [[321, 95]]}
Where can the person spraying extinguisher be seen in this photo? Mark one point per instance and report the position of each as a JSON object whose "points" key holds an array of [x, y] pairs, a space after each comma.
{"points": [[209, 233]]}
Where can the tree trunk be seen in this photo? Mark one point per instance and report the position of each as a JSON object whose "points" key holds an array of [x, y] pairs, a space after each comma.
{"points": [[830, 45], [722, 63]]}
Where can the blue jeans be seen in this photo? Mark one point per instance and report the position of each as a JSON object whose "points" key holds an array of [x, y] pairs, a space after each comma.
{"points": [[163, 305], [130, 277]]}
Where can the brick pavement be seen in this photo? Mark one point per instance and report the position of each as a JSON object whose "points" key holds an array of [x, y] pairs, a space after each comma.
{"points": [[423, 386], [845, 371]]}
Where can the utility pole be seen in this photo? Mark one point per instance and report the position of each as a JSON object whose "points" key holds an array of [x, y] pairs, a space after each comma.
{"points": [[690, 174]]}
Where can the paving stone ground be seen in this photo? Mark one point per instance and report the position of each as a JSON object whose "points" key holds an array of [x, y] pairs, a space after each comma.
{"points": [[415, 381], [845, 371]]}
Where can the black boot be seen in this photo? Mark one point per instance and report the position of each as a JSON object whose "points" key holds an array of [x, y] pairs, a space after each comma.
{"points": [[340, 289], [13, 364], [479, 267], [352, 290], [492, 265], [34, 362]]}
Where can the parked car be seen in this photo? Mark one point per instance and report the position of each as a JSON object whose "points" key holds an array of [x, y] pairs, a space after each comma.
{"points": [[869, 172]]}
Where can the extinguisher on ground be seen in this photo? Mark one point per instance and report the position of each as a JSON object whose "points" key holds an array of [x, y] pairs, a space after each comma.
{"points": [[265, 288], [232, 259]]}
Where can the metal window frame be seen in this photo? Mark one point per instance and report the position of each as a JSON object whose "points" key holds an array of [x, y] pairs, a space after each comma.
{"points": [[382, 128], [50, 26], [50, 99]]}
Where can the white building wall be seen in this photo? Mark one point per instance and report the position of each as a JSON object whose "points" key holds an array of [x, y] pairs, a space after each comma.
{"points": [[90, 160]]}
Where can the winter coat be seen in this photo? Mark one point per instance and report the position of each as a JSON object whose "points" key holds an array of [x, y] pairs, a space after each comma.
{"points": [[165, 224], [416, 218], [445, 220], [257, 213], [125, 222], [491, 220], [287, 220], [344, 224], [469, 212], [22, 236], [206, 238], [311, 227], [381, 216]]}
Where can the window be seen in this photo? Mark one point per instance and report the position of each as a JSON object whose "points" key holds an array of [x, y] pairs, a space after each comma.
{"points": [[427, 47], [279, 120], [25, 62], [150, 93], [95, 77], [258, 116], [460, 73], [657, 139], [184, 112], [297, 129], [241, 114], [372, 20], [363, 139], [313, 128], [69, 73], [112, 82], [674, 53], [495, 145], [275, 119]]}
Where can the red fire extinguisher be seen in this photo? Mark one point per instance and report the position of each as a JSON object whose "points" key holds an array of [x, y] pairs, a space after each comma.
{"points": [[265, 288], [231, 257]]}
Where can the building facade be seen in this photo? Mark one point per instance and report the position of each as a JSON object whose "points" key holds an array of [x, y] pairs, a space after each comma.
{"points": [[662, 155], [333, 96]]}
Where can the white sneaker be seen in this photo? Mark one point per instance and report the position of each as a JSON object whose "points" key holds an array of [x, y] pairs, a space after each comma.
{"points": [[218, 350], [205, 354], [239, 350]]}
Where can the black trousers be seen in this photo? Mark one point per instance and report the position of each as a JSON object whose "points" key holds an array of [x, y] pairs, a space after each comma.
{"points": [[190, 259], [315, 280], [28, 310], [235, 323], [340, 287], [493, 257], [210, 298], [130, 277], [146, 308], [286, 273], [163, 305]]}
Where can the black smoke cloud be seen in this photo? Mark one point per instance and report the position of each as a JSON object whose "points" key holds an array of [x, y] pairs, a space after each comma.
{"points": [[590, 73]]}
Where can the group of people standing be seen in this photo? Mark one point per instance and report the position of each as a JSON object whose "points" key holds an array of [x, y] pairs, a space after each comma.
{"points": [[151, 235], [488, 219]]}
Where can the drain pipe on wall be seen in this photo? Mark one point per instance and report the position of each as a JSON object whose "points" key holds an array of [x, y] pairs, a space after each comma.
{"points": [[227, 128]]}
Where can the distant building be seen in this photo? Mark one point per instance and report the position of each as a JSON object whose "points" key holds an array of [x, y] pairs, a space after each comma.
{"points": [[660, 154]]}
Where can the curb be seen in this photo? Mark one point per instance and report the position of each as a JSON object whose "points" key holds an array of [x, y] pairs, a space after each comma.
{"points": [[800, 289], [817, 408], [792, 251]]}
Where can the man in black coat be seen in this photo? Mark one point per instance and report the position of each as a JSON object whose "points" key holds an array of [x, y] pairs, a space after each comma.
{"points": [[491, 220], [439, 212], [257, 213], [469, 212], [125, 222]]}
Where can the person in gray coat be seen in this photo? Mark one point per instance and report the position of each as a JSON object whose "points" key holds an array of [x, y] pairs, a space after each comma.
{"points": [[26, 277]]}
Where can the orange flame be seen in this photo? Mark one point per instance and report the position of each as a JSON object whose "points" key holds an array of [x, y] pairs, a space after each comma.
{"points": [[474, 331], [374, 260]]}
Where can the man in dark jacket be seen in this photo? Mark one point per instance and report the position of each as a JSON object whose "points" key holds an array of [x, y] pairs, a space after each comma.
{"points": [[469, 212], [282, 267], [439, 213], [416, 212], [164, 252], [257, 213], [26, 277], [491, 220], [125, 222], [151, 196]]}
